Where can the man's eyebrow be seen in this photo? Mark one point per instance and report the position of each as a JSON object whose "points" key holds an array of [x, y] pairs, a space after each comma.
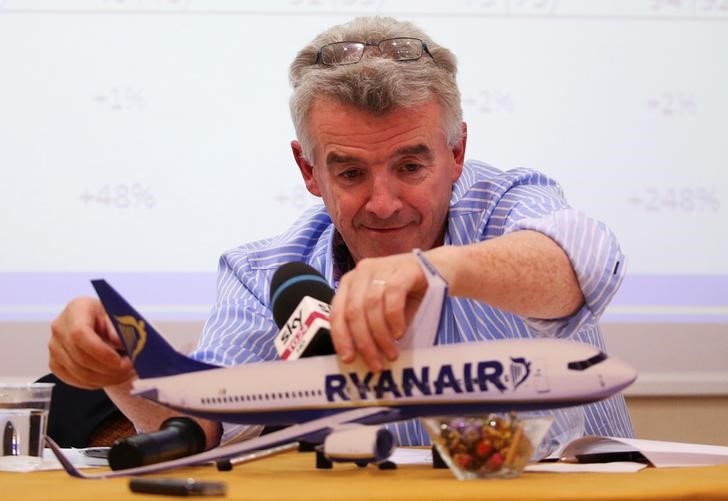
{"points": [[335, 158], [417, 149]]}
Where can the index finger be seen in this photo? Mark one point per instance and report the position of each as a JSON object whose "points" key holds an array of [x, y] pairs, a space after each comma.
{"points": [[340, 334], [84, 331], [96, 353]]}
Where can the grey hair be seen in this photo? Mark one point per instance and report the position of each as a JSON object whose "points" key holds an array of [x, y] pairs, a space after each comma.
{"points": [[375, 84]]}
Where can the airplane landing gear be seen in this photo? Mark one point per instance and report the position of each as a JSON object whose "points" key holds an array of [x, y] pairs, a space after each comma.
{"points": [[322, 462]]}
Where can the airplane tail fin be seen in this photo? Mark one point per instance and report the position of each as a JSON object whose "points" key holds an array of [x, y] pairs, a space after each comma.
{"points": [[150, 353]]}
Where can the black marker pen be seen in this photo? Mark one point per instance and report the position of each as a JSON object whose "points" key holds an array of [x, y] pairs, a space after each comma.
{"points": [[177, 487]]}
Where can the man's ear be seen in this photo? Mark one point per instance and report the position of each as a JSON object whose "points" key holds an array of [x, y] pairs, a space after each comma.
{"points": [[305, 168], [458, 152]]}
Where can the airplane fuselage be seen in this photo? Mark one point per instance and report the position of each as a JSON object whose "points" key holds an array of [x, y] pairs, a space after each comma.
{"points": [[465, 378]]}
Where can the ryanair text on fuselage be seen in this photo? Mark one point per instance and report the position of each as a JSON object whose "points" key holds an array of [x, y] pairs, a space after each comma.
{"points": [[466, 378]]}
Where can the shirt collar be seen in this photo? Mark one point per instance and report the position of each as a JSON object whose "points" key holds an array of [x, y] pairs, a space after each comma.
{"points": [[343, 262]]}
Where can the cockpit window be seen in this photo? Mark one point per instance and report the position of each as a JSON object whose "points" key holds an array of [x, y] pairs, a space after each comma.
{"points": [[585, 364]]}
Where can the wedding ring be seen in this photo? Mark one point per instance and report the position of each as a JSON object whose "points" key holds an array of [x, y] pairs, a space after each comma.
{"points": [[378, 281]]}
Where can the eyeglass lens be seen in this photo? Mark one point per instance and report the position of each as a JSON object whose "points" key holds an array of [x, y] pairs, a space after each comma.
{"points": [[342, 53], [399, 49]]}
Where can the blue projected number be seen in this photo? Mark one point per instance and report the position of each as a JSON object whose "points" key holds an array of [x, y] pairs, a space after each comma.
{"points": [[685, 199], [673, 104], [123, 98], [119, 196], [490, 102]]}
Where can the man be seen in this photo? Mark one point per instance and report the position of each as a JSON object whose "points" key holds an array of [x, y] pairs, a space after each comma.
{"points": [[382, 142]]}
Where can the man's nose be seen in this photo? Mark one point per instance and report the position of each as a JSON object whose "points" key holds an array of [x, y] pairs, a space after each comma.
{"points": [[384, 201]]}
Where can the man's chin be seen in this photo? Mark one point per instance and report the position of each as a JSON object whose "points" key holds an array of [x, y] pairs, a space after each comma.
{"points": [[374, 243], [388, 250]]}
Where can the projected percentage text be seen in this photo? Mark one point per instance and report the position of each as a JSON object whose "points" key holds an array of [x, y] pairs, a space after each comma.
{"points": [[295, 197], [672, 104], [490, 102], [119, 196], [123, 98], [681, 199]]}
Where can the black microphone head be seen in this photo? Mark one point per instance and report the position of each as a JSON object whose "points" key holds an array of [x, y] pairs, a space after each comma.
{"points": [[290, 284], [177, 437]]}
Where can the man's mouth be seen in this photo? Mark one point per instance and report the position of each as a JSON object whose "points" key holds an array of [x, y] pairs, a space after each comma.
{"points": [[385, 229]]}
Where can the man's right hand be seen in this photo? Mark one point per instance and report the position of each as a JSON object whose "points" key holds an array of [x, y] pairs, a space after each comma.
{"points": [[83, 347]]}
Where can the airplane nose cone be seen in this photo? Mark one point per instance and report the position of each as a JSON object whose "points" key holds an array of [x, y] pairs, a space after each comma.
{"points": [[620, 375]]}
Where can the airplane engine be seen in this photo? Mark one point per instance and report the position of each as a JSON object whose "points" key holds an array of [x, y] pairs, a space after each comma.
{"points": [[359, 443]]}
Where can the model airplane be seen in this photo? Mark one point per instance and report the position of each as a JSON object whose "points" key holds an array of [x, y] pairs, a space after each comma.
{"points": [[344, 405]]}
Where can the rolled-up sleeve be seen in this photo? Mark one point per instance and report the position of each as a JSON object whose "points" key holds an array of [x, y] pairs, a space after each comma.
{"points": [[592, 248]]}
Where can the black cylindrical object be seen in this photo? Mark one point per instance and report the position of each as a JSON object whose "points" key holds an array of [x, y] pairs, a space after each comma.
{"points": [[177, 437]]}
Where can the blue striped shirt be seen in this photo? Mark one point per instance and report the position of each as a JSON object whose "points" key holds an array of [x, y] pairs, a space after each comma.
{"points": [[485, 203]]}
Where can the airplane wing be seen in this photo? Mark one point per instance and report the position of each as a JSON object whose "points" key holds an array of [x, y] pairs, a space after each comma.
{"points": [[320, 426]]}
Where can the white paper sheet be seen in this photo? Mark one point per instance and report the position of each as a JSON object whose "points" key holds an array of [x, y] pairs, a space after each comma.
{"points": [[49, 461], [658, 453], [562, 467], [404, 455]]}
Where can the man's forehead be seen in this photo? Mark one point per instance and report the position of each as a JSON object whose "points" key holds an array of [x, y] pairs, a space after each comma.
{"points": [[342, 132], [331, 101]]}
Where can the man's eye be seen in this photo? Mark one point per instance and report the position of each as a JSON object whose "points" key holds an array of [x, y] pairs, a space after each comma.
{"points": [[350, 174], [411, 168]]}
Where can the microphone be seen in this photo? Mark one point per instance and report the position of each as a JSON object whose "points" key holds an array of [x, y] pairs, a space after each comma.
{"points": [[177, 437], [300, 299]]}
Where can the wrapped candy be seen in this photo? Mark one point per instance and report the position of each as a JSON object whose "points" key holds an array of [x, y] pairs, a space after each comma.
{"points": [[490, 446]]}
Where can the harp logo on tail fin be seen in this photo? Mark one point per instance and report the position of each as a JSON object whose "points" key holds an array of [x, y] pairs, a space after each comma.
{"points": [[133, 332]]}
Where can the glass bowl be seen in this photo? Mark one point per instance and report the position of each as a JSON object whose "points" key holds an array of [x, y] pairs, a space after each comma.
{"points": [[492, 446]]}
